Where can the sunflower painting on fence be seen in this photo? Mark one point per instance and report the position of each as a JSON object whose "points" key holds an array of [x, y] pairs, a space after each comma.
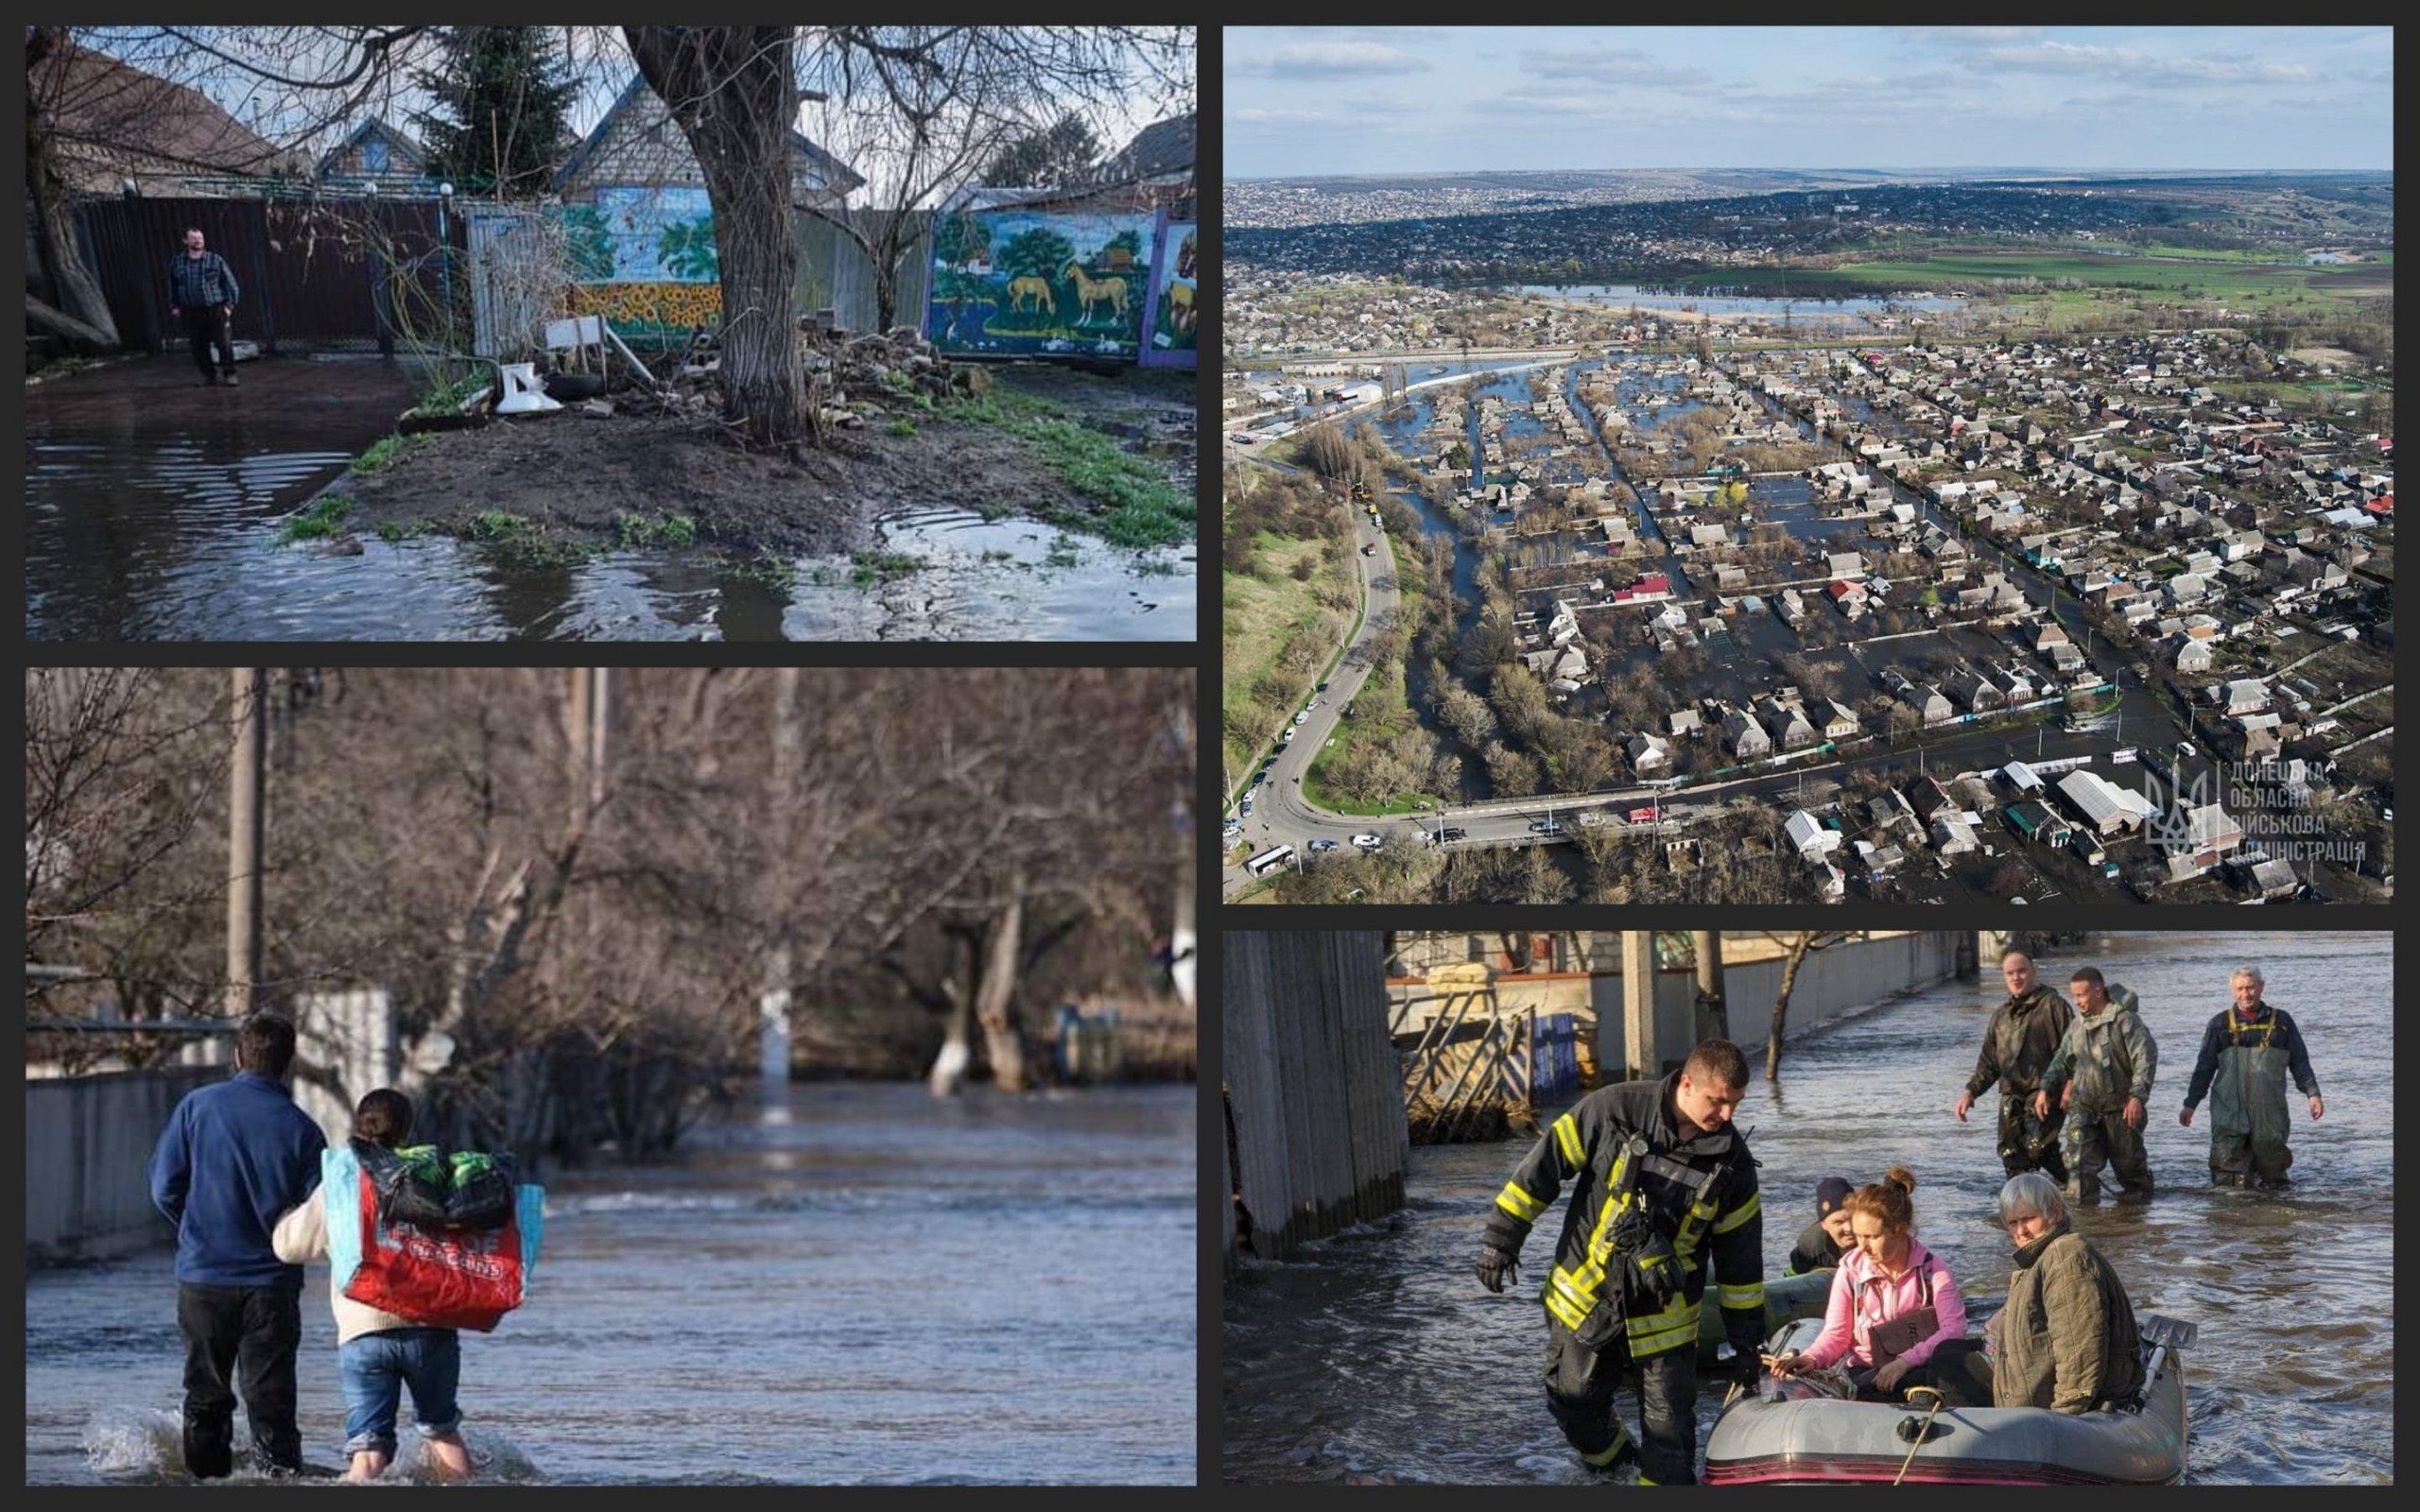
{"points": [[1032, 283], [646, 257]]}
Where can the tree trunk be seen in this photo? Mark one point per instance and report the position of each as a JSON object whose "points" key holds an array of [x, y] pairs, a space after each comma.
{"points": [[1781, 1007], [66, 327], [995, 998], [1714, 1013], [731, 92], [76, 294]]}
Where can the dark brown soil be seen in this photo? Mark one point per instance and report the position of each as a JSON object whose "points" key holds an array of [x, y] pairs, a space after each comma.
{"points": [[576, 474]]}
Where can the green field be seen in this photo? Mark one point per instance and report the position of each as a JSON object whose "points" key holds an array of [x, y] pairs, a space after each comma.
{"points": [[1266, 613], [1380, 706], [2242, 284]]}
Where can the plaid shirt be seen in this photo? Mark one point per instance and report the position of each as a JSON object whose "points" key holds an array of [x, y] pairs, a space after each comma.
{"points": [[198, 283]]}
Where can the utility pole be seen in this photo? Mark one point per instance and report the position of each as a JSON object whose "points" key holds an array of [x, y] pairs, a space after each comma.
{"points": [[1714, 1013], [247, 793], [1638, 1005]]}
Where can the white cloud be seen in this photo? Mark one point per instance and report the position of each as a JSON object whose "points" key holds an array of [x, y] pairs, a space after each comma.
{"points": [[1610, 65], [2140, 65], [1329, 60]]}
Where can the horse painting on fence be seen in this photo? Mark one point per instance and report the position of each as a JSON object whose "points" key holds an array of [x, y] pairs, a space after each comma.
{"points": [[1038, 282]]}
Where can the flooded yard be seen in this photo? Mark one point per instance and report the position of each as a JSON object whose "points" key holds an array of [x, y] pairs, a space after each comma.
{"points": [[153, 508]]}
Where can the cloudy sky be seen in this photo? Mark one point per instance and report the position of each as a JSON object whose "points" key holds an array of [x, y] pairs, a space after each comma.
{"points": [[1330, 99]]}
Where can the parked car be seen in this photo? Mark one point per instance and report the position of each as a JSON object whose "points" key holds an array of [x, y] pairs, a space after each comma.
{"points": [[2185, 748], [1244, 808], [1452, 833], [1369, 550], [1545, 826], [1368, 841], [1305, 715], [1320, 847]]}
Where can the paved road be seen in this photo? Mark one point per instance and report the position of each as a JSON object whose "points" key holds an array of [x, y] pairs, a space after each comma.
{"points": [[1280, 814]]}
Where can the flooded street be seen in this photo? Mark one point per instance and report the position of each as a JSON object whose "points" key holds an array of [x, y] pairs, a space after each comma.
{"points": [[152, 507], [857, 1285], [1376, 1353]]}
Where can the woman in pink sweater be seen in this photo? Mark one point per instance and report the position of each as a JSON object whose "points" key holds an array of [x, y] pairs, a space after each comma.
{"points": [[1894, 1306]]}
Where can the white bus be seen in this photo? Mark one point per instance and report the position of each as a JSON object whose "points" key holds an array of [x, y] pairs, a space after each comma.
{"points": [[1270, 860]]}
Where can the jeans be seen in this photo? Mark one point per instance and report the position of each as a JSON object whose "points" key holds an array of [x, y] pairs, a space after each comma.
{"points": [[239, 1337], [375, 1368]]}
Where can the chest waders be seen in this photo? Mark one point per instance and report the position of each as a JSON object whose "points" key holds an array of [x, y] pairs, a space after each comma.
{"points": [[2248, 1117]]}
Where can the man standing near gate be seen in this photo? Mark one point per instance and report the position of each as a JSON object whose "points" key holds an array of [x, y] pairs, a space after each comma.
{"points": [[202, 292], [1661, 1184]]}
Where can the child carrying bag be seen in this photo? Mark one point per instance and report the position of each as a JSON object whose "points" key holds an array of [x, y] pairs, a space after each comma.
{"points": [[433, 1272]]}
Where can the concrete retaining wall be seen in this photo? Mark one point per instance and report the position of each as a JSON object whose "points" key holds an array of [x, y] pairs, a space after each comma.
{"points": [[88, 1156], [1314, 1089], [1830, 983]]}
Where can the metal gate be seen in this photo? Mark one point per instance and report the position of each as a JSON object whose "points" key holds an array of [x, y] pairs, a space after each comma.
{"points": [[312, 272]]}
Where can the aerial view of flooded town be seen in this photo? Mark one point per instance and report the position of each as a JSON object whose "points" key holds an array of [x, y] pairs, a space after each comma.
{"points": [[1781, 534]]}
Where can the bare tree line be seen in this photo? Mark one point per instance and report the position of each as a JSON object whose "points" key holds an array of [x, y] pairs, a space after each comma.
{"points": [[557, 878]]}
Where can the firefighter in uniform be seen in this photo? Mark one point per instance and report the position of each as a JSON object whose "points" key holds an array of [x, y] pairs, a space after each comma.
{"points": [[2023, 1035], [1661, 1182], [2247, 1054]]}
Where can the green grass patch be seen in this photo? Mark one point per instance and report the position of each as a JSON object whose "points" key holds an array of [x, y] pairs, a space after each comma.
{"points": [[764, 568], [902, 427], [321, 519], [382, 452], [1144, 507], [449, 397], [1062, 553], [639, 531], [870, 568], [1263, 613]]}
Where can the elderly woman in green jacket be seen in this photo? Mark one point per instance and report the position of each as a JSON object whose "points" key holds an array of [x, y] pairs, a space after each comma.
{"points": [[2065, 1339]]}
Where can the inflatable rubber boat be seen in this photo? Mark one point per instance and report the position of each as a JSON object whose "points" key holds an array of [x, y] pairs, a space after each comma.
{"points": [[1788, 1299], [1788, 1435]]}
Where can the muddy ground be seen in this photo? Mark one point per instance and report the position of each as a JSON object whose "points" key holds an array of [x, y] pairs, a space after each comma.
{"points": [[579, 476]]}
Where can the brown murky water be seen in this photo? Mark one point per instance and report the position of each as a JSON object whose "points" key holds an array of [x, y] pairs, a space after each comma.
{"points": [[1376, 1353]]}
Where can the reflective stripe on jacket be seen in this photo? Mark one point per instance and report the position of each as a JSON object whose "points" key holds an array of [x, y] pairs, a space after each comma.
{"points": [[1701, 1194]]}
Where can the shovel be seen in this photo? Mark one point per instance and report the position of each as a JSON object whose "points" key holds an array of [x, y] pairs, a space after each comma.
{"points": [[2162, 1334]]}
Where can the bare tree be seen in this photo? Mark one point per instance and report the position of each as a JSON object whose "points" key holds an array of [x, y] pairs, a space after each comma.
{"points": [[1796, 946]]}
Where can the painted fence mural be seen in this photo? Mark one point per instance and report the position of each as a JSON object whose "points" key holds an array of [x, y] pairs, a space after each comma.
{"points": [[1038, 282], [1173, 319], [646, 256]]}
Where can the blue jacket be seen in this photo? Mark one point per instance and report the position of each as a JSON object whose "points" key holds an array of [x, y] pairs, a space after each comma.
{"points": [[235, 1156]]}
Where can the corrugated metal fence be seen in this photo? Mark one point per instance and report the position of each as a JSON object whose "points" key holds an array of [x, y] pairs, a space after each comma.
{"points": [[311, 270], [835, 274], [1313, 1087]]}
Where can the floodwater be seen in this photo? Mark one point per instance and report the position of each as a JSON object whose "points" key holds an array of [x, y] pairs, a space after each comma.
{"points": [[152, 507], [1376, 1353], [1814, 312], [857, 1284]]}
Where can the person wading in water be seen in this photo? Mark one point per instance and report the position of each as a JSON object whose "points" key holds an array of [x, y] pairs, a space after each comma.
{"points": [[1660, 1182], [2023, 1035]]}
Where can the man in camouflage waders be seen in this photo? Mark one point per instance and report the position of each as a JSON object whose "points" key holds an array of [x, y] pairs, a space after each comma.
{"points": [[2102, 1078], [2247, 1054], [2023, 1035]]}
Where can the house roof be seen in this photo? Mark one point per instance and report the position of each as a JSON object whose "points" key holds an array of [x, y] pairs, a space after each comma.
{"points": [[97, 100], [374, 126], [1163, 149], [841, 178]]}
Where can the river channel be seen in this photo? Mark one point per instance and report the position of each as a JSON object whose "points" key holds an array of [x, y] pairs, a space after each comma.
{"points": [[1376, 1354], [854, 1284]]}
